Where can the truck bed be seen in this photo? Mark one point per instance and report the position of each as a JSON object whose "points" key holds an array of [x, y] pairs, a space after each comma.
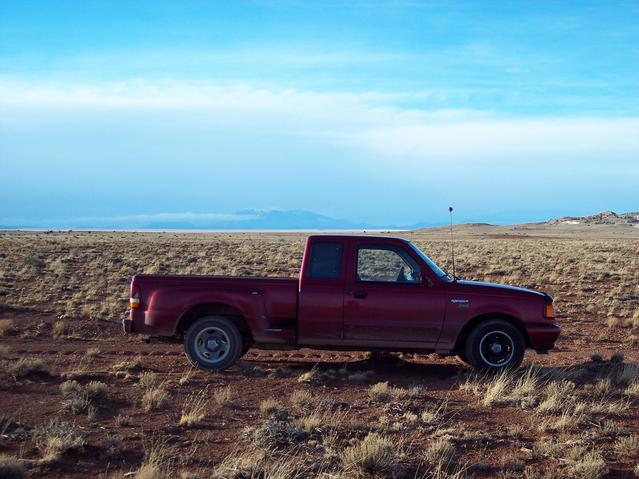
{"points": [[269, 304]]}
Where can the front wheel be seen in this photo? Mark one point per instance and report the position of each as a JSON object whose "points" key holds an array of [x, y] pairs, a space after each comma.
{"points": [[495, 345], [213, 343]]}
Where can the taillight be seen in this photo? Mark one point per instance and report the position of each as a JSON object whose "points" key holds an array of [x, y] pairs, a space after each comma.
{"points": [[134, 300], [549, 311]]}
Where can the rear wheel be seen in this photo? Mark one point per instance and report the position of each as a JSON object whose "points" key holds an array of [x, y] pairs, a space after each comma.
{"points": [[213, 343], [495, 345]]}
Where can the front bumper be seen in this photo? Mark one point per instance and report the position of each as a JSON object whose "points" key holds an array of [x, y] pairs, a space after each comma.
{"points": [[543, 336]]}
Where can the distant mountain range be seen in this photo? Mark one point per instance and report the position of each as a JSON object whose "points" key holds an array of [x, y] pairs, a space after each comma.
{"points": [[255, 220], [244, 220]]}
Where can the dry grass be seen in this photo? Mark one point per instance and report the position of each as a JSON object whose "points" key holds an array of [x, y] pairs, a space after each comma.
{"points": [[155, 395], [194, 408], [155, 398], [507, 387], [156, 464], [57, 438], [5, 351], [628, 446], [24, 367], [224, 396], [273, 408], [372, 454], [379, 392], [589, 466], [91, 353], [11, 467], [632, 391], [76, 277], [7, 328], [97, 390], [188, 375], [307, 377], [128, 365], [59, 330]]}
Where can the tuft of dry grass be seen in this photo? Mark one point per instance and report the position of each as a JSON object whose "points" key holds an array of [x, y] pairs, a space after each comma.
{"points": [[187, 376], [70, 387], [558, 394], [57, 438], [155, 395], [5, 351], [273, 408], [11, 467], [7, 328], [24, 367], [307, 376], [224, 396], [194, 408], [155, 398], [97, 390], [434, 416], [77, 403], [156, 463], [507, 387], [632, 391], [628, 446], [440, 453], [591, 465], [59, 330], [374, 453], [91, 353], [379, 392], [122, 420], [128, 365], [302, 399]]}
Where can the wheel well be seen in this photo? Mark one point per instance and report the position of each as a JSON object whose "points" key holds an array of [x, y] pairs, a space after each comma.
{"points": [[468, 327], [214, 309]]}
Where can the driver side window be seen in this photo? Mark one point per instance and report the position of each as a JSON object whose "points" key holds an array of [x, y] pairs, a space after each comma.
{"points": [[385, 264]]}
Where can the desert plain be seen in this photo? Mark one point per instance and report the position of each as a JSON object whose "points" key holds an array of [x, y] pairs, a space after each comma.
{"points": [[78, 398]]}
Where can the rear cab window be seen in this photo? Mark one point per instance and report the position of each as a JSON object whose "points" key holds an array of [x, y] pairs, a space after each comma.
{"points": [[326, 260]]}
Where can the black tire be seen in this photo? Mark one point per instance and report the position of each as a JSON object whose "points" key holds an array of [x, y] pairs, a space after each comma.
{"points": [[495, 345], [213, 343]]}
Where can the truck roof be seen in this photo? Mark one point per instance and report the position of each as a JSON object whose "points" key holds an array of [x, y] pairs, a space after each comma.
{"points": [[358, 236]]}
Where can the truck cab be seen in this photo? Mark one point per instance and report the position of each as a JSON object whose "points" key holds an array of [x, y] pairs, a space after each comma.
{"points": [[369, 291]]}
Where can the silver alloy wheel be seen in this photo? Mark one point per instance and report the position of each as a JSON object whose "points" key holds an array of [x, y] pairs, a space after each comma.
{"points": [[212, 345], [496, 348]]}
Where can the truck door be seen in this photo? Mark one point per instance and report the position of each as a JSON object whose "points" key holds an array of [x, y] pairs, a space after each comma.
{"points": [[386, 299], [321, 294]]}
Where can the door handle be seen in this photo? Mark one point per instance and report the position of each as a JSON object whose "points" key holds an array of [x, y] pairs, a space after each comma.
{"points": [[360, 294]]}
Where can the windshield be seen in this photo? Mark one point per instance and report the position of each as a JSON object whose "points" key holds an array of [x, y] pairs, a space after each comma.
{"points": [[436, 269]]}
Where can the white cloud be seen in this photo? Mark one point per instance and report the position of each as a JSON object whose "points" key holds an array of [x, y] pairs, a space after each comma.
{"points": [[375, 123], [564, 138]]}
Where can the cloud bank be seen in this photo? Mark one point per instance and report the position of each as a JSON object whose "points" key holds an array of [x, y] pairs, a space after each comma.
{"points": [[292, 149]]}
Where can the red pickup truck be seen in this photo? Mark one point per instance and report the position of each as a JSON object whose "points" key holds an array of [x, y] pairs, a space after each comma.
{"points": [[353, 293]]}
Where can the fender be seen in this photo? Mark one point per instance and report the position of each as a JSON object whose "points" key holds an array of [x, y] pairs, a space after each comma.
{"points": [[164, 302], [458, 314]]}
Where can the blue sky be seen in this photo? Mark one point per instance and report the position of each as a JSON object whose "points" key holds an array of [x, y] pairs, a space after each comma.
{"points": [[384, 112]]}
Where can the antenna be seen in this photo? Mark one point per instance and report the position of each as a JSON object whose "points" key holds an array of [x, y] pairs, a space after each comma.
{"points": [[452, 242]]}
